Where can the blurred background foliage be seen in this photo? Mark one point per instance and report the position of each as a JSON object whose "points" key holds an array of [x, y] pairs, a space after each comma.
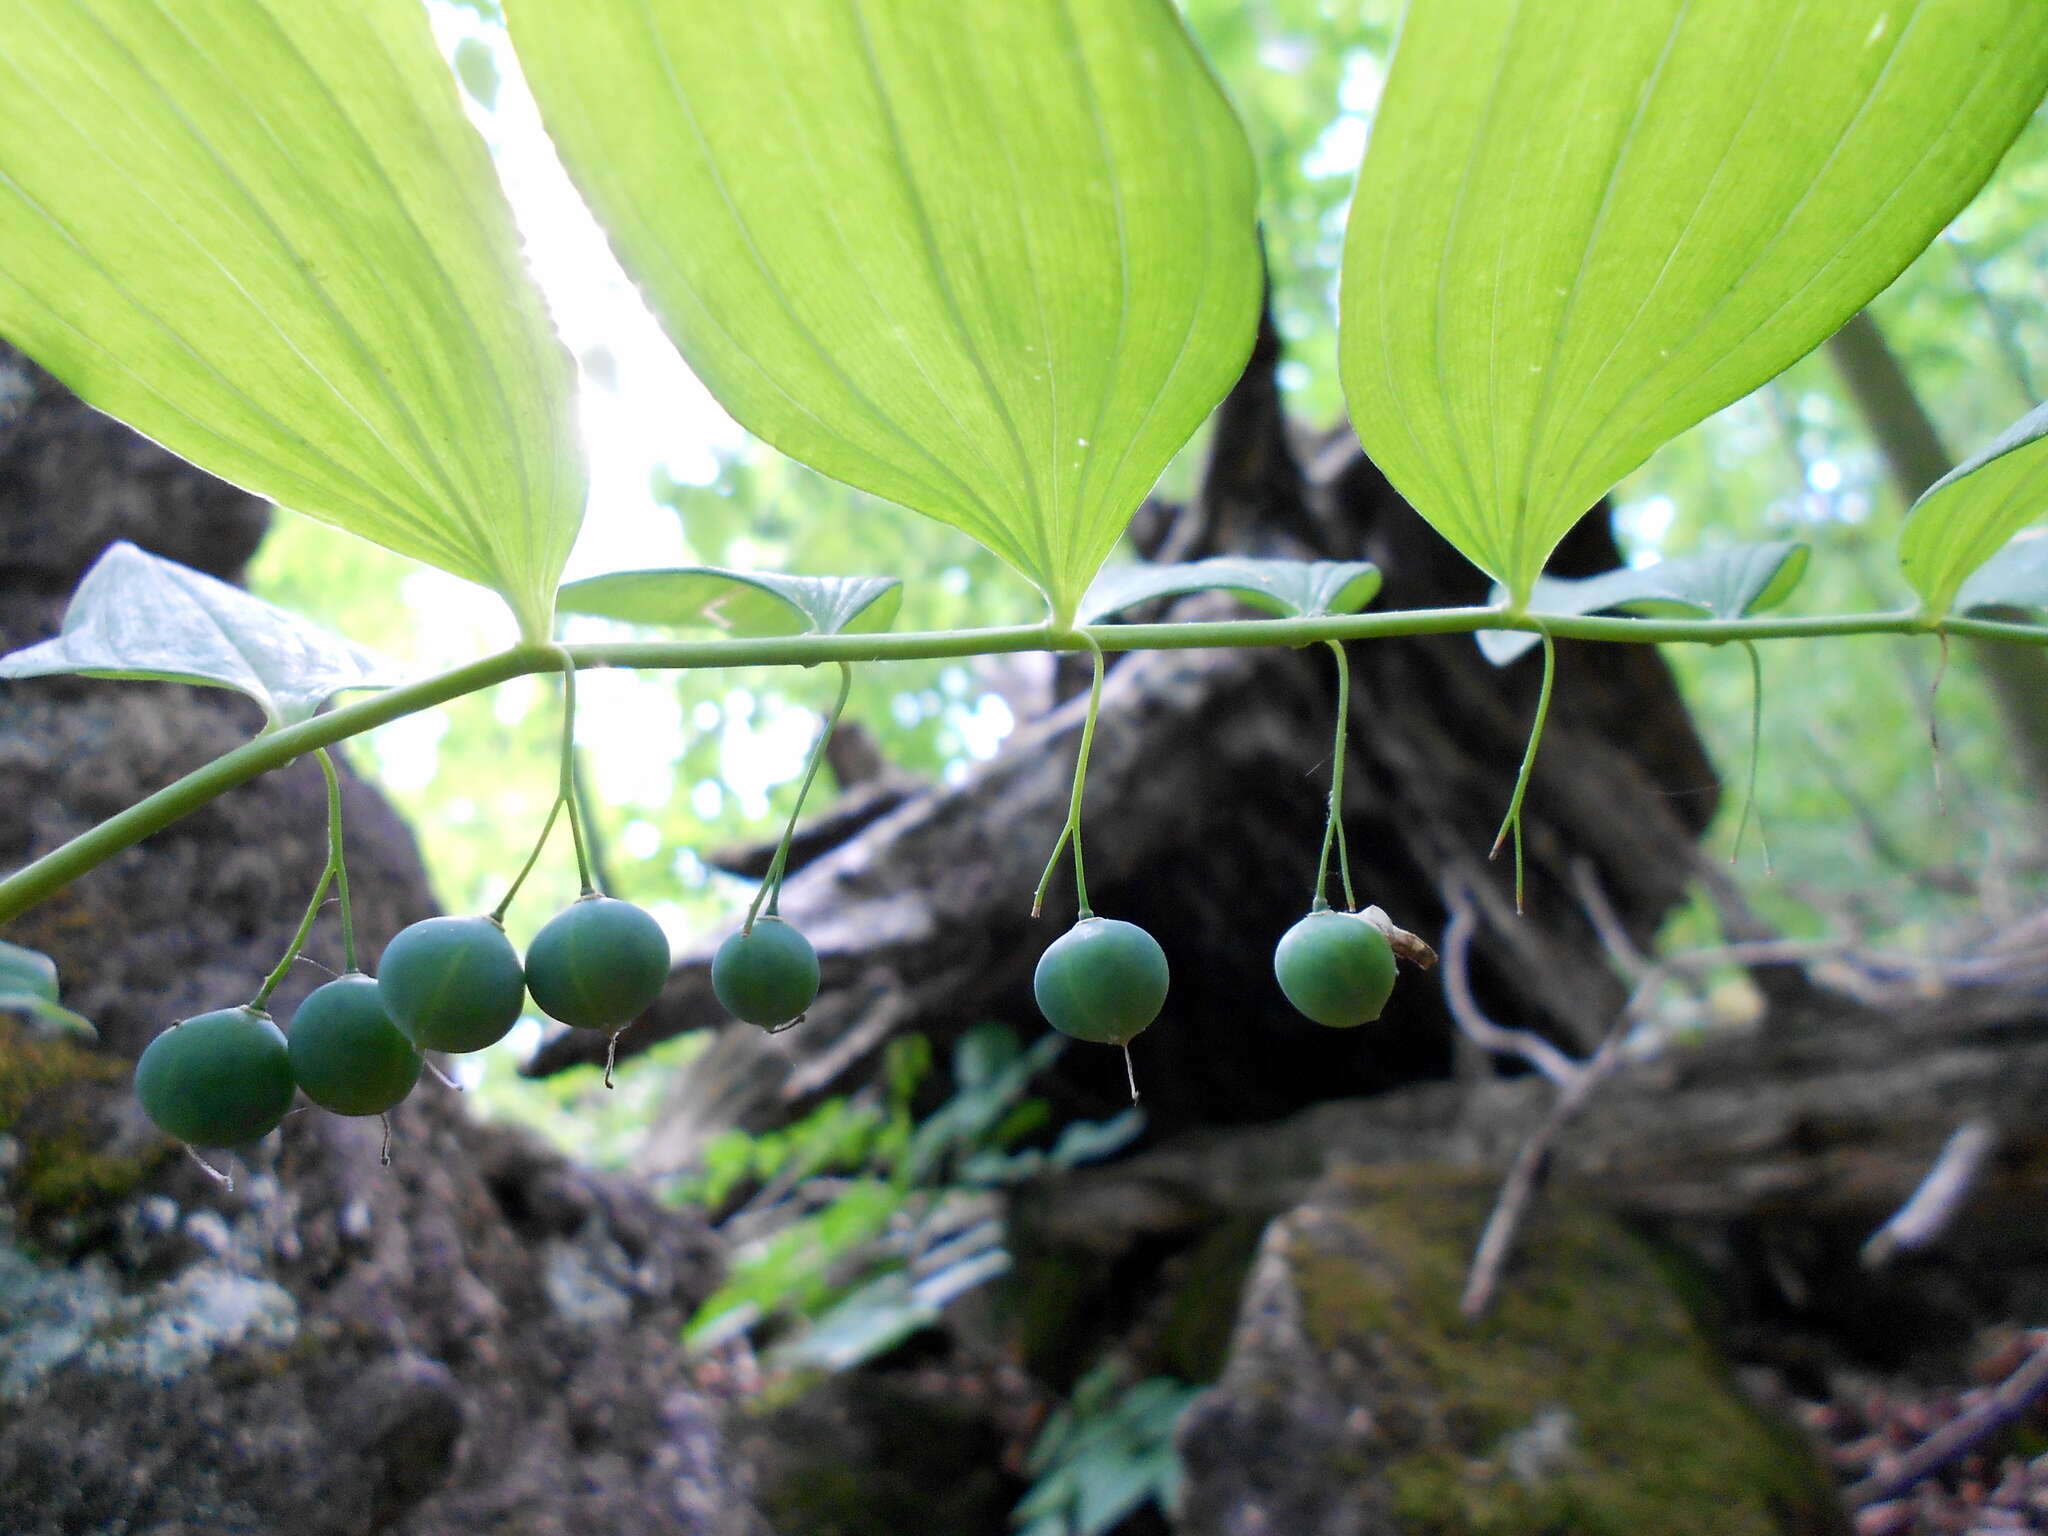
{"points": [[1860, 843]]}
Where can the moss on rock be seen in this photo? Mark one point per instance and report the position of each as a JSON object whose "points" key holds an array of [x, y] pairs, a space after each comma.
{"points": [[1585, 1402]]}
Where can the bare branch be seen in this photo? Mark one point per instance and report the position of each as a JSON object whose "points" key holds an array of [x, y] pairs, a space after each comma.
{"points": [[1931, 1207], [1465, 1012], [1964, 1433]]}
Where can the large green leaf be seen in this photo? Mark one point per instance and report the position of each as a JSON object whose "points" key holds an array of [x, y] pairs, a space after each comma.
{"points": [[743, 604], [1966, 516], [1295, 589], [1723, 584], [137, 615], [994, 260], [1583, 226], [262, 232]]}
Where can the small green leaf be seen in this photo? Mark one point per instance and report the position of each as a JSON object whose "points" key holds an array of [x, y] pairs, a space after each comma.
{"points": [[743, 604], [2015, 577], [136, 615], [1581, 228], [1964, 518], [263, 233], [27, 972], [994, 261], [28, 990], [1290, 588], [1726, 584], [477, 69]]}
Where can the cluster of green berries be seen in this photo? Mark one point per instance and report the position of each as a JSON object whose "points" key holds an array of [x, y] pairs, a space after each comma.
{"points": [[1104, 980], [357, 1044]]}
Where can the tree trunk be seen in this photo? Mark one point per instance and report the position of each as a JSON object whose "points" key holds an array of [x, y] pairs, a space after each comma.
{"points": [[478, 1337]]}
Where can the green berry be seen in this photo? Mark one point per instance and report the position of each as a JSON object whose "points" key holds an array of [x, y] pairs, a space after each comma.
{"points": [[1336, 968], [217, 1079], [346, 1053], [452, 983], [1102, 980], [768, 976], [598, 964]]}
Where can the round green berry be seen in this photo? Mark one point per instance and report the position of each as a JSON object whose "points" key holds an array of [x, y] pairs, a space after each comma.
{"points": [[598, 964], [1102, 980], [1335, 967], [452, 983], [768, 976], [346, 1053], [217, 1079]]}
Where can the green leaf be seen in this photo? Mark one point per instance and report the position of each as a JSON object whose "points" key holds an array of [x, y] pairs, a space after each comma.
{"points": [[262, 233], [743, 604], [1726, 584], [994, 262], [2015, 577], [477, 69], [137, 615], [28, 990], [27, 972], [1290, 588], [1964, 518], [1579, 229]]}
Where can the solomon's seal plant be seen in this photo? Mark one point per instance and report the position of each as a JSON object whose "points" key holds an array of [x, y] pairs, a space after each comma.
{"points": [[996, 271]]}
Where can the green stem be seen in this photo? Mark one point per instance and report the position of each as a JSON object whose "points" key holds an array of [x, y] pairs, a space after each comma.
{"points": [[1071, 832], [1344, 868], [601, 867], [270, 982], [771, 883], [498, 912], [337, 861], [273, 749], [1756, 752], [1513, 821], [1332, 823], [565, 794]]}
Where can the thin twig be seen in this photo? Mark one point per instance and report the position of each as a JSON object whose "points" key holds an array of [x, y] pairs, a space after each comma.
{"points": [[1962, 1434], [1465, 1012], [1941, 1195], [1518, 1191]]}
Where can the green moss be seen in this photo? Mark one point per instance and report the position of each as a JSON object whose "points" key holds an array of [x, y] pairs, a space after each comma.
{"points": [[32, 1064], [1648, 1433], [50, 1094]]}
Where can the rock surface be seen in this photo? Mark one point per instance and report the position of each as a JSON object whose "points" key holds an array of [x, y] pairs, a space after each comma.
{"points": [[1357, 1402], [478, 1338]]}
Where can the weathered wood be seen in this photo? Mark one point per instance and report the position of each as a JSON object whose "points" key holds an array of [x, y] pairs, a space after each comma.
{"points": [[1824, 1120]]}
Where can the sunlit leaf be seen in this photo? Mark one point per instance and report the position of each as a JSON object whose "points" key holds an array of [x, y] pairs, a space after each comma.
{"points": [[994, 261], [2015, 577], [744, 604], [1725, 584], [263, 233], [1964, 518], [1579, 229], [136, 615], [1289, 588]]}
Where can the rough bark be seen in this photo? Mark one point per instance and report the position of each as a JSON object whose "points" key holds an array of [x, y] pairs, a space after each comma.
{"points": [[1205, 799], [478, 1337]]}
